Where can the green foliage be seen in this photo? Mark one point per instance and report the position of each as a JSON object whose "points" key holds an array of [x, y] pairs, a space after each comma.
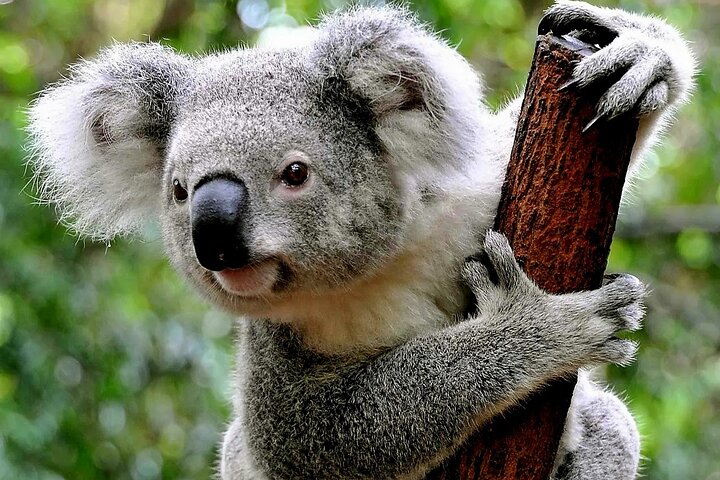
{"points": [[111, 368]]}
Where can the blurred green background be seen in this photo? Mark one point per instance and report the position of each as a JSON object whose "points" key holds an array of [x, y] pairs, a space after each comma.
{"points": [[111, 368]]}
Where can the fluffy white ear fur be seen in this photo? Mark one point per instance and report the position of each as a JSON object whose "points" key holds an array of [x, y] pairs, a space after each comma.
{"points": [[97, 138], [425, 98]]}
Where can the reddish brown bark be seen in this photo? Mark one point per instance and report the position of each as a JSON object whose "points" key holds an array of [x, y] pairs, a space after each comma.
{"points": [[558, 208]]}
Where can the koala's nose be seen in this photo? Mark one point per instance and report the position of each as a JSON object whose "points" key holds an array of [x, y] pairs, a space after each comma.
{"points": [[218, 209]]}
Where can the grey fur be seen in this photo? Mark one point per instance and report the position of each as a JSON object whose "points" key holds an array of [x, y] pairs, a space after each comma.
{"points": [[358, 363]]}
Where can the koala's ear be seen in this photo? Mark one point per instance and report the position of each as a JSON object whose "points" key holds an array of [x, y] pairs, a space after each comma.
{"points": [[382, 54], [97, 139], [424, 97]]}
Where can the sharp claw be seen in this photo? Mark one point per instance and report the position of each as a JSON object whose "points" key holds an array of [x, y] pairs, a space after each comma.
{"points": [[570, 83], [545, 24], [593, 122]]}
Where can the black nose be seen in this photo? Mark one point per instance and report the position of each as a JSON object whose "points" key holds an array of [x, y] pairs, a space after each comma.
{"points": [[219, 208]]}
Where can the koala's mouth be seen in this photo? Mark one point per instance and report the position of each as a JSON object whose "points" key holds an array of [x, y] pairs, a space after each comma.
{"points": [[251, 280]]}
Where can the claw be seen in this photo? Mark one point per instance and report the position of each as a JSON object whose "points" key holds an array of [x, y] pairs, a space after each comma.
{"points": [[593, 122], [545, 24], [585, 21], [570, 83]]}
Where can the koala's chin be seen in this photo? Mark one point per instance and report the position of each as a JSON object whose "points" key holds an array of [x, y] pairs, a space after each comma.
{"points": [[250, 281], [247, 291]]}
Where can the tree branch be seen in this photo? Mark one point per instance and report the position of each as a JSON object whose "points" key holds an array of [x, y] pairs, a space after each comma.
{"points": [[558, 208]]}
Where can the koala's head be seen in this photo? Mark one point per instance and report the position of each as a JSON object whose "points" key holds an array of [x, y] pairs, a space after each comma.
{"points": [[273, 171]]}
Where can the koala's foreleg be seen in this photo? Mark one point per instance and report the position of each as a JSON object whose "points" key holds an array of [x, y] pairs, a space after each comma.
{"points": [[649, 63], [307, 416]]}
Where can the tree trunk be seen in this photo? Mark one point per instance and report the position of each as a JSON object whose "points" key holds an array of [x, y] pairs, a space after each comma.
{"points": [[558, 209]]}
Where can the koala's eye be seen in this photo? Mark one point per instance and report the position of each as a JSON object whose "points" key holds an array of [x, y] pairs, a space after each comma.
{"points": [[179, 192], [295, 174]]}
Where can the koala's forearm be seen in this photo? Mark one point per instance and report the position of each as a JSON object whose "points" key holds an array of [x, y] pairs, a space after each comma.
{"points": [[385, 417]]}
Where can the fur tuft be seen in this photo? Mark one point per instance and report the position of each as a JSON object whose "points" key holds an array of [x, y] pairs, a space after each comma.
{"points": [[96, 138]]}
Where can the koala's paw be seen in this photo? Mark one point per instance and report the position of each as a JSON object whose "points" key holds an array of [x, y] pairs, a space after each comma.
{"points": [[581, 327], [646, 61], [600, 315], [593, 319]]}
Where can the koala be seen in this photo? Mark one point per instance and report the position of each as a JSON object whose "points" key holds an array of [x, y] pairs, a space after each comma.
{"points": [[337, 196]]}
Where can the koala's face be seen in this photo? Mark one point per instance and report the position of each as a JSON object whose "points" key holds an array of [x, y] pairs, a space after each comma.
{"points": [[275, 181], [278, 172]]}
